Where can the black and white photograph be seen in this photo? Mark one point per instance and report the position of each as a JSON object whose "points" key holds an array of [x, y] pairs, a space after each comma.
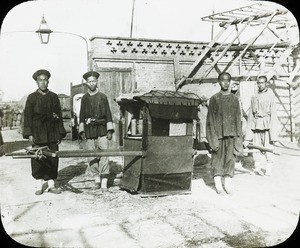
{"points": [[150, 124]]}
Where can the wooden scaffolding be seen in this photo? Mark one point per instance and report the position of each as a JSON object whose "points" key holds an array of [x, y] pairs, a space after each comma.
{"points": [[252, 23]]}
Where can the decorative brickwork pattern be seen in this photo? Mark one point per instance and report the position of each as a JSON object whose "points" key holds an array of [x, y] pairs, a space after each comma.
{"points": [[154, 64]]}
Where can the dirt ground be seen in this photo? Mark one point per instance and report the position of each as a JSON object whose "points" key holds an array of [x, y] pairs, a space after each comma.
{"points": [[262, 212]]}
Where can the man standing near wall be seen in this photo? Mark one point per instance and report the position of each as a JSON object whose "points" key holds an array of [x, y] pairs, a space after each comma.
{"points": [[96, 127], [262, 125], [224, 133], [43, 126]]}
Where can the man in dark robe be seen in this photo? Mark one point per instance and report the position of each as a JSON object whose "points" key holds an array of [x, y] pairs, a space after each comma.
{"points": [[96, 127], [43, 126], [224, 133]]}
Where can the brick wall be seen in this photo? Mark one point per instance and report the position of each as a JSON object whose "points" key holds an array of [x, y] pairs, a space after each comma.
{"points": [[159, 63]]}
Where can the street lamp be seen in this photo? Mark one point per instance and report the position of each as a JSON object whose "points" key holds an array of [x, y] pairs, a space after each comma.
{"points": [[44, 33]]}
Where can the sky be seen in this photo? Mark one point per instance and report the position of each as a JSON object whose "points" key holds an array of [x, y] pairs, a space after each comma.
{"points": [[21, 53]]}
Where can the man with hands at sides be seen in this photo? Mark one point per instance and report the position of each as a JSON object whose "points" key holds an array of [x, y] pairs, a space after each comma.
{"points": [[224, 134], [262, 126], [96, 127]]}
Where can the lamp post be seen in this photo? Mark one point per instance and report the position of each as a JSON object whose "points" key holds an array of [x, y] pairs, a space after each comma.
{"points": [[44, 31], [44, 34]]}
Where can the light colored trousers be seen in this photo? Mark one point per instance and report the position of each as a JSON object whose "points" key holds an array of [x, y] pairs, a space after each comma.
{"points": [[262, 138], [99, 165]]}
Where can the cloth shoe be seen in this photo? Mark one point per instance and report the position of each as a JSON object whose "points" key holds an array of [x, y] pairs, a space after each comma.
{"points": [[54, 190], [39, 192], [39, 186], [257, 169], [228, 185], [218, 185]]}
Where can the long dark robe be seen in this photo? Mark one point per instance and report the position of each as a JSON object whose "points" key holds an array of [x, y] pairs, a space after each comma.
{"points": [[96, 107], [46, 130], [223, 120], [224, 132]]}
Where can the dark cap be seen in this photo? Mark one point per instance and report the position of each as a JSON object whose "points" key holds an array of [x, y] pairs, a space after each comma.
{"points": [[91, 73], [40, 72]]}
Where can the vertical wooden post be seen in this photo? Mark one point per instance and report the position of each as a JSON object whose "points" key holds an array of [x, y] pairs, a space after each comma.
{"points": [[71, 100], [121, 128], [132, 18], [145, 129], [291, 96], [212, 26]]}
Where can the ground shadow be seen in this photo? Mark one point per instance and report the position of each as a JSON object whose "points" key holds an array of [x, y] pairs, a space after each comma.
{"points": [[68, 173], [114, 172], [9, 147], [248, 162], [202, 168]]}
